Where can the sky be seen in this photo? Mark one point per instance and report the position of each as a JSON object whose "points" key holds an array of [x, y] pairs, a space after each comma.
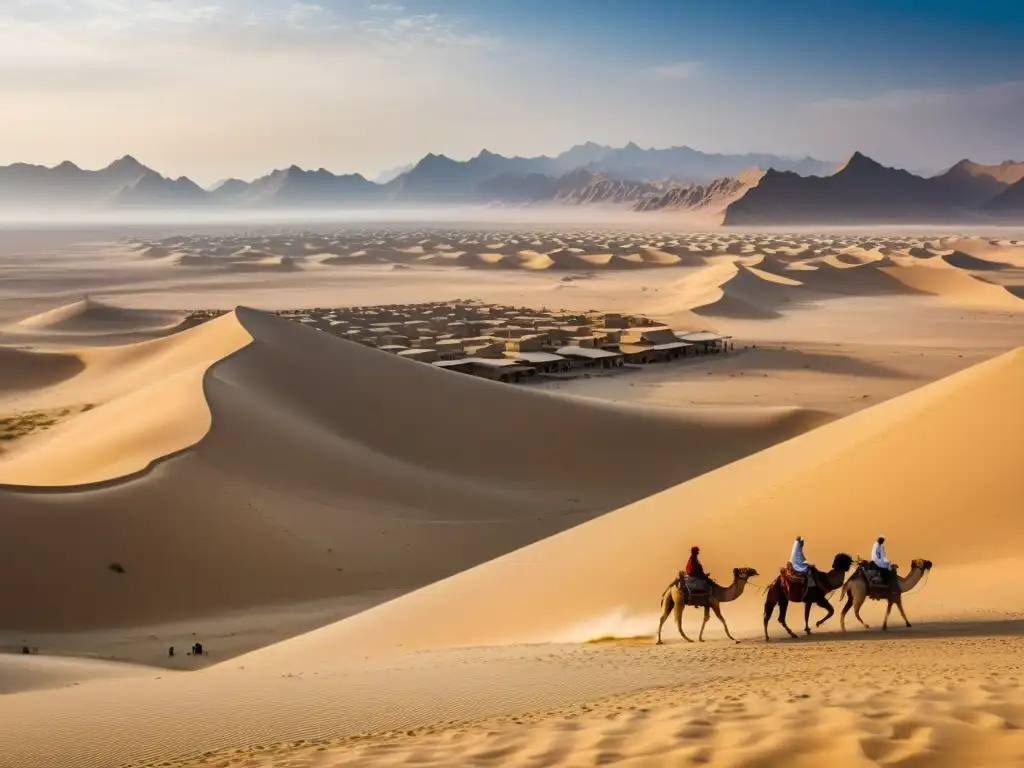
{"points": [[235, 88]]}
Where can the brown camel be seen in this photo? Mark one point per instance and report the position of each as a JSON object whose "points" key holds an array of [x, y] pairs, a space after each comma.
{"points": [[817, 595], [676, 597], [857, 590]]}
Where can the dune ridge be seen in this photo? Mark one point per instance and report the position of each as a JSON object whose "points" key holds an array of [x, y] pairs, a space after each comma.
{"points": [[92, 317], [147, 402]]}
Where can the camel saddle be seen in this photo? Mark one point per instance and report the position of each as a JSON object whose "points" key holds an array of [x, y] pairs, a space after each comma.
{"points": [[881, 583], [794, 584], [697, 591]]}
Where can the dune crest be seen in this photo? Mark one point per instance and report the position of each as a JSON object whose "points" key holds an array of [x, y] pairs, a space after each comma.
{"points": [[92, 317], [146, 402]]}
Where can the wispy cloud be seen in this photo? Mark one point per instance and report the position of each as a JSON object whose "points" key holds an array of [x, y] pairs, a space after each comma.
{"points": [[680, 70], [299, 14]]}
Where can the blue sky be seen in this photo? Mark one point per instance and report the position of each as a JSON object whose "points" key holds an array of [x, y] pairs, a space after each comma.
{"points": [[214, 88]]}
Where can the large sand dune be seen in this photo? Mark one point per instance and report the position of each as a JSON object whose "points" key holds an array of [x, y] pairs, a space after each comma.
{"points": [[934, 470], [91, 317], [144, 401], [322, 469]]}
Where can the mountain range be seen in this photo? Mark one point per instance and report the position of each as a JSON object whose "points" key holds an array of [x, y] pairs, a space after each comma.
{"points": [[676, 179], [865, 191], [587, 173]]}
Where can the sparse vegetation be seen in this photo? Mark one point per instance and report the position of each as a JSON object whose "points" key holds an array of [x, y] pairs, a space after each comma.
{"points": [[23, 424]]}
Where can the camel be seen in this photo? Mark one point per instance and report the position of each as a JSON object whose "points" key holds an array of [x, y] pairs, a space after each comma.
{"points": [[816, 595], [856, 591], [674, 600]]}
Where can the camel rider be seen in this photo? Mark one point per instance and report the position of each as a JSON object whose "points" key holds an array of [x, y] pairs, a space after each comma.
{"points": [[880, 561], [799, 562], [695, 574]]}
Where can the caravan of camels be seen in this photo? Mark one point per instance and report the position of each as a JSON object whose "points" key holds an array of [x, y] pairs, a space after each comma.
{"points": [[799, 582]]}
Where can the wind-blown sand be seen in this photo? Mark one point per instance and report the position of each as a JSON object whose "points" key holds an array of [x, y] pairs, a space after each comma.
{"points": [[255, 479]]}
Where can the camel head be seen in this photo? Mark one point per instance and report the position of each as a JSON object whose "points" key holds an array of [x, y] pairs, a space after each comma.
{"points": [[744, 574], [842, 562], [924, 565]]}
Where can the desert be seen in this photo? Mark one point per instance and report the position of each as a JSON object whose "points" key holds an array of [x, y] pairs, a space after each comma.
{"points": [[389, 549], [538, 384]]}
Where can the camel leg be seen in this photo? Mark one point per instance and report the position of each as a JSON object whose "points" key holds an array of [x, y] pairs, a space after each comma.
{"points": [[769, 609], [707, 613], [858, 601], [679, 621], [807, 617], [665, 611], [829, 610], [888, 610], [783, 609], [846, 610], [718, 612], [899, 604]]}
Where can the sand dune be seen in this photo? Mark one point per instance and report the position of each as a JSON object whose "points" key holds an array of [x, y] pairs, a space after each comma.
{"points": [[329, 469], [91, 317], [1000, 251], [956, 286], [962, 260], [146, 401], [20, 674], [29, 370], [739, 291], [763, 287], [890, 469]]}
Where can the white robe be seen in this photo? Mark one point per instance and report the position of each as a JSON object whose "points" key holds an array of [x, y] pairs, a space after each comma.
{"points": [[878, 556], [800, 564]]}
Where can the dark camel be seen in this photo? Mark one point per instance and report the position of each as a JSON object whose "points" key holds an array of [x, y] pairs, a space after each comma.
{"points": [[825, 583]]}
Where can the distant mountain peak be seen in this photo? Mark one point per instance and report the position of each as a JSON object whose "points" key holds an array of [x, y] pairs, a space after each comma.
{"points": [[860, 162], [126, 162]]}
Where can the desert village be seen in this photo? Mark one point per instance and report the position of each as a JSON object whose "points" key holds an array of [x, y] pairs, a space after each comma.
{"points": [[505, 343]]}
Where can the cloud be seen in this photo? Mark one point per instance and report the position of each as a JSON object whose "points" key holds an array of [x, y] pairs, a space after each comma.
{"points": [[680, 70], [301, 13], [232, 86]]}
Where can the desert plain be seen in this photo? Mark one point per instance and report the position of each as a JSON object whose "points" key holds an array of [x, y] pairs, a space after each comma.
{"points": [[388, 563]]}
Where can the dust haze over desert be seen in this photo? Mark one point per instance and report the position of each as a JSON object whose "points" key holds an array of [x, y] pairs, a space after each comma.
{"points": [[328, 437]]}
